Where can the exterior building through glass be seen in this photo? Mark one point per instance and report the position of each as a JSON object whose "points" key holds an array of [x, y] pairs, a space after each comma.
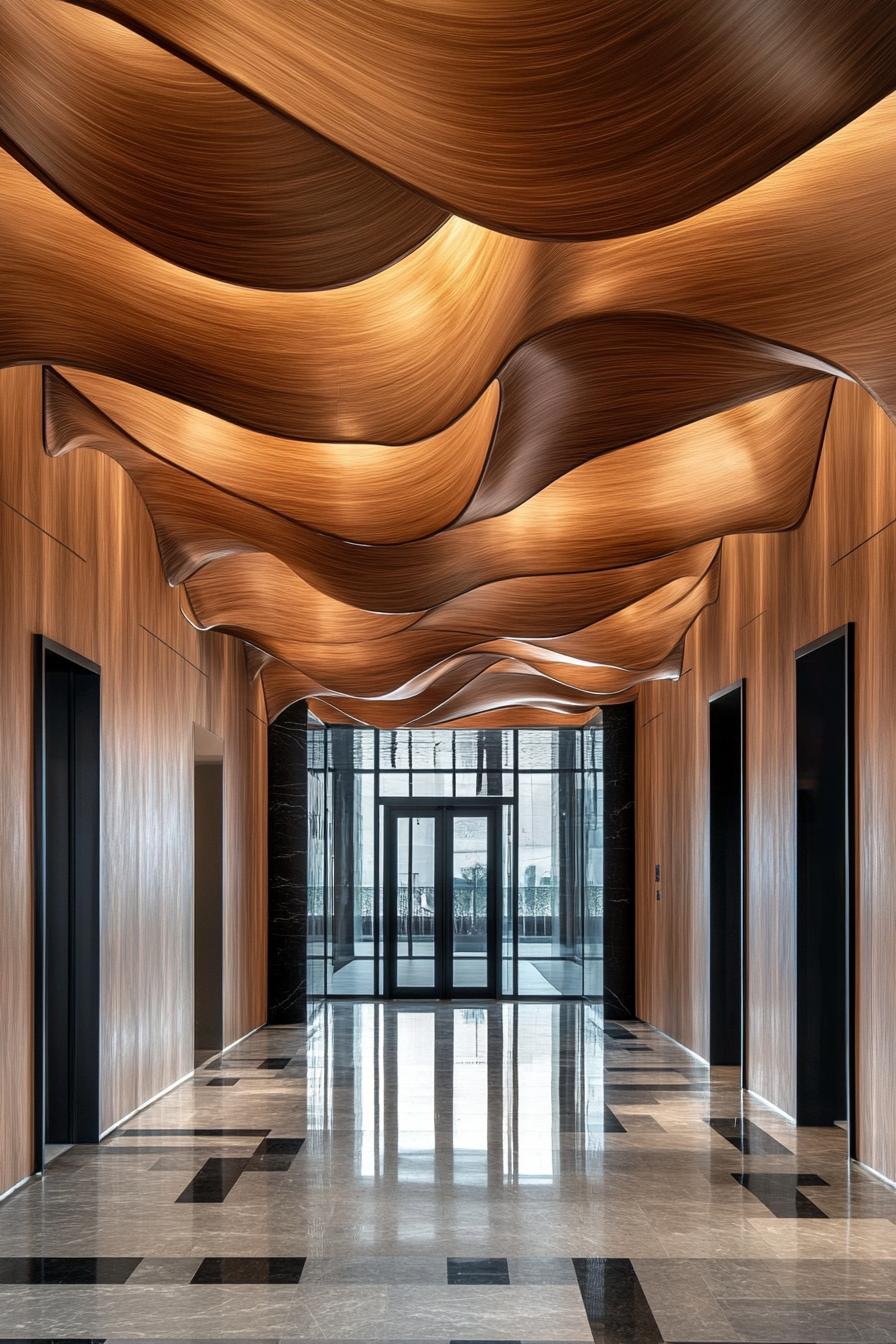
{"points": [[451, 864]]}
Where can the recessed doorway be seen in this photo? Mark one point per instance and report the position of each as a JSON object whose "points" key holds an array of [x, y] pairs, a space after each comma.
{"points": [[441, 899], [208, 894], [824, 914], [67, 900], [726, 877]]}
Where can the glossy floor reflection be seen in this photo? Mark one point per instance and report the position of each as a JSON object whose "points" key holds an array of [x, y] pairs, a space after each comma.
{"points": [[447, 1173]]}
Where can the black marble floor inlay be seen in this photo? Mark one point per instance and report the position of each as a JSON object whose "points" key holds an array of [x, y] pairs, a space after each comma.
{"points": [[618, 1033], [477, 1271], [74, 1269], [214, 1181], [617, 1310], [778, 1192], [278, 1146], [274, 1154], [250, 1269], [276, 1062], [268, 1162], [222, 1082], [746, 1136]]}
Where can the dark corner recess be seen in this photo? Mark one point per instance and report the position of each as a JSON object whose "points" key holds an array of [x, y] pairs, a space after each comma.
{"points": [[726, 877], [825, 1018], [67, 897]]}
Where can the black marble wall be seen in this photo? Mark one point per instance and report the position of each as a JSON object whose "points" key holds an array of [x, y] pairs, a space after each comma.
{"points": [[287, 865], [619, 861]]}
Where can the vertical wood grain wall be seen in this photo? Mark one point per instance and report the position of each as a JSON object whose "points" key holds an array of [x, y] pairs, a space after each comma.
{"points": [[79, 564], [777, 594]]}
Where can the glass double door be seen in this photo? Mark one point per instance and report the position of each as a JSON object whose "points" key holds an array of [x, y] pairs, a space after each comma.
{"points": [[441, 864]]}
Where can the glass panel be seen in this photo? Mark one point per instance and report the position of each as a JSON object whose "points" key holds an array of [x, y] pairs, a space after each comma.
{"points": [[483, 749], [395, 785], [425, 785], [594, 747], [507, 900], [415, 902], [593, 791], [353, 747], [437, 749], [316, 877], [550, 883], [469, 902], [316, 747], [550, 749], [483, 784], [352, 820]]}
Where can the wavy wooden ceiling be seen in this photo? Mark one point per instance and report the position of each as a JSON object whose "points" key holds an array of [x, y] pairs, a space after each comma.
{"points": [[445, 342]]}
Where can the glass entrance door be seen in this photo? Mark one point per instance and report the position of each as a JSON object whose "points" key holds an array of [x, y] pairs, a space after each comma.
{"points": [[441, 916]]}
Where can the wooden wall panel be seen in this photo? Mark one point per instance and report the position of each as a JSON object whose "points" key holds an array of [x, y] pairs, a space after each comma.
{"points": [[80, 565], [777, 594]]}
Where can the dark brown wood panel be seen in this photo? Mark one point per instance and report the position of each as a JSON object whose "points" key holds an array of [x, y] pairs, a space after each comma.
{"points": [[777, 594], [80, 565]]}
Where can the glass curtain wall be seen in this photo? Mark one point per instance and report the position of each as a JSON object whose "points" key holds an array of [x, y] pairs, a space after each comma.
{"points": [[548, 784]]}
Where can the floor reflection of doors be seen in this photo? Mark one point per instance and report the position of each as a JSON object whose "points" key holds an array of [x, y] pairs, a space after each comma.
{"points": [[441, 909]]}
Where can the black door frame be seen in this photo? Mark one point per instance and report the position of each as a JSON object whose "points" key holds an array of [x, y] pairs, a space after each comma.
{"points": [[85, 1118], [441, 809], [846, 633], [741, 686]]}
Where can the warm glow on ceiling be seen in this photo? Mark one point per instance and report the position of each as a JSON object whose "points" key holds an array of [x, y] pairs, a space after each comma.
{"points": [[445, 343]]}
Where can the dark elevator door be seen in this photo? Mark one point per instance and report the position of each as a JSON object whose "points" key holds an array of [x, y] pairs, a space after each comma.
{"points": [[726, 828], [823, 914], [67, 821]]}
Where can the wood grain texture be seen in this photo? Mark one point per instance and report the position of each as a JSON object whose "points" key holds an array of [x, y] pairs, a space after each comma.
{"points": [[567, 119], [777, 594], [82, 568], [318, 602], [388, 309], [399, 355], [186, 167]]}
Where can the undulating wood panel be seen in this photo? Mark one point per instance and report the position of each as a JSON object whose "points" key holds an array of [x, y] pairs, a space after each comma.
{"points": [[777, 594], [393, 313], [81, 566]]}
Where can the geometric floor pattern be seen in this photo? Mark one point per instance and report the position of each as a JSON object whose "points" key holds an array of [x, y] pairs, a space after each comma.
{"points": [[436, 1172]]}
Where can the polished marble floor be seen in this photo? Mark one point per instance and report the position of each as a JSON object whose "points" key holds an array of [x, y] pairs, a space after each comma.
{"points": [[454, 1173]]}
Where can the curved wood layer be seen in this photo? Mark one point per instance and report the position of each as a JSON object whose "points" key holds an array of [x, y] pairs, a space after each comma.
{"points": [[242, 596], [187, 167], [600, 383], [568, 119], [460, 468], [565, 398], [803, 260], [369, 493], [747, 468]]}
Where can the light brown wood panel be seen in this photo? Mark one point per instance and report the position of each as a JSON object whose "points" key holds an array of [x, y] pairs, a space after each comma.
{"points": [[80, 565], [778, 593]]}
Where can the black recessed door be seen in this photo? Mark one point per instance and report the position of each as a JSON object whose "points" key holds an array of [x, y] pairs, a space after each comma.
{"points": [[67, 900], [823, 880], [726, 869]]}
